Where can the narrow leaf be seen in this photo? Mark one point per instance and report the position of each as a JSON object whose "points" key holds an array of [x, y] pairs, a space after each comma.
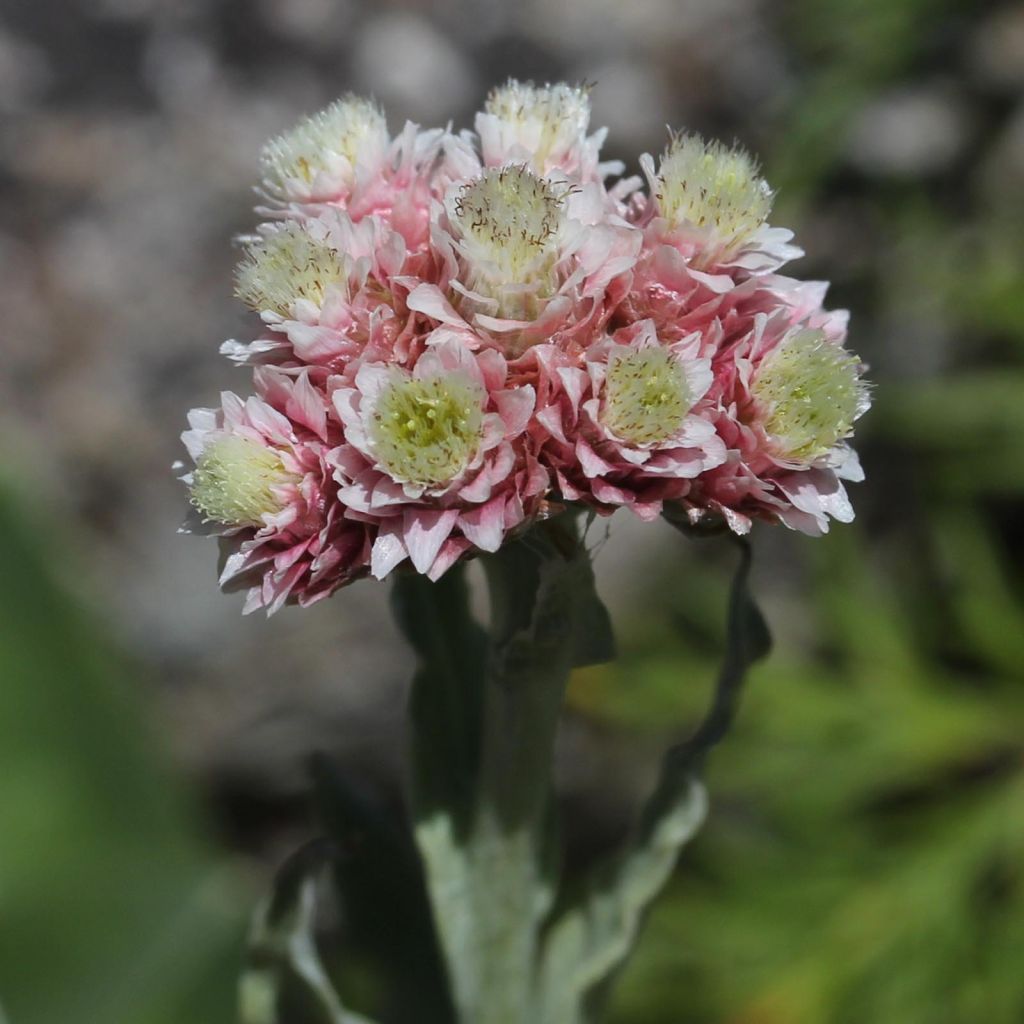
{"points": [[282, 948], [445, 704], [382, 889], [589, 941]]}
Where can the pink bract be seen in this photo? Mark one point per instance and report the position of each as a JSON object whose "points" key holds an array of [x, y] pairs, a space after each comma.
{"points": [[461, 333]]}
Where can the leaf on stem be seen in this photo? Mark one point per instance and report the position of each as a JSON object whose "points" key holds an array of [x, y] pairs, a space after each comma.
{"points": [[590, 940], [445, 704], [282, 951], [381, 885]]}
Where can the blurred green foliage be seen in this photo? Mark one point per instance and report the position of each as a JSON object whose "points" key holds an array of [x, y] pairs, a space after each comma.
{"points": [[111, 908], [864, 859]]}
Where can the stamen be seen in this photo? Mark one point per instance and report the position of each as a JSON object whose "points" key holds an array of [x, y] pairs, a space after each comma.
{"points": [[235, 480], [426, 432], [646, 395], [811, 393]]}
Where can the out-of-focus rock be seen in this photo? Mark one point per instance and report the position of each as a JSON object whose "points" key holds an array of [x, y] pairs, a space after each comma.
{"points": [[996, 50], [605, 27], [319, 24], [909, 132], [24, 72], [629, 100], [413, 68], [1001, 181]]}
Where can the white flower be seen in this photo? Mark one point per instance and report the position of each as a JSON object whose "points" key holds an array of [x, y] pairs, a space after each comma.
{"points": [[322, 156]]}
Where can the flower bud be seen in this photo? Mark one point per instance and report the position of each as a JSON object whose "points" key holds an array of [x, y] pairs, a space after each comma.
{"points": [[318, 158], [548, 122], [713, 188]]}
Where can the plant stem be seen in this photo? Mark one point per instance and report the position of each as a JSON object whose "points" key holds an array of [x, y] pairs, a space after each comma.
{"points": [[528, 666], [487, 875]]}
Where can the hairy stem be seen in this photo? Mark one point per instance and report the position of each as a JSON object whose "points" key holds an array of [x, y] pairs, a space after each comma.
{"points": [[486, 864]]}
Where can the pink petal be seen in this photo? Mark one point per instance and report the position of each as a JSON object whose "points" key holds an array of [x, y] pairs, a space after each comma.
{"points": [[590, 462], [424, 532], [307, 407], [515, 408], [388, 551], [451, 551], [485, 526], [427, 299]]}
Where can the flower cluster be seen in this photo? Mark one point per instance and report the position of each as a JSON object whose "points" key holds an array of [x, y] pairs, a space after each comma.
{"points": [[464, 333]]}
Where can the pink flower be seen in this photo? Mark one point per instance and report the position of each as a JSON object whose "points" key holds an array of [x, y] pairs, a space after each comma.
{"points": [[624, 428], [460, 331], [328, 289], [710, 203], [790, 395], [522, 259], [261, 482], [436, 457], [343, 157], [544, 128]]}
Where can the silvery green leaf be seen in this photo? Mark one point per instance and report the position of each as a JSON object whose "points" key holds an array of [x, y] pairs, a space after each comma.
{"points": [[446, 698], [589, 941]]}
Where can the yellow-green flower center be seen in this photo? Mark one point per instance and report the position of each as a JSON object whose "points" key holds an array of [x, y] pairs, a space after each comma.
{"points": [[426, 432], [646, 396], [509, 221], [234, 482], [284, 266], [346, 127], [811, 393], [713, 187]]}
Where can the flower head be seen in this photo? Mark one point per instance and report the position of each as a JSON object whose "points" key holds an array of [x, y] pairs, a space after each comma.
{"points": [[525, 259], [621, 429], [509, 222], [238, 482], [811, 393], [710, 202], [425, 431], [713, 187], [437, 457], [320, 157], [787, 395], [544, 125], [646, 395], [286, 265], [262, 483]]}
